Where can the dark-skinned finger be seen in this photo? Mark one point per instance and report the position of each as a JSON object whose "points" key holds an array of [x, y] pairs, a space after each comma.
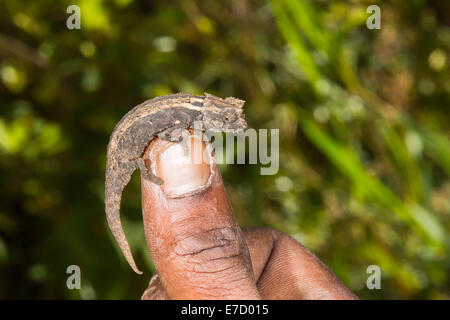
{"points": [[196, 244], [283, 268]]}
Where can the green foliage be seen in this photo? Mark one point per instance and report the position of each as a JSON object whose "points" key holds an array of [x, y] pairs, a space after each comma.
{"points": [[363, 117]]}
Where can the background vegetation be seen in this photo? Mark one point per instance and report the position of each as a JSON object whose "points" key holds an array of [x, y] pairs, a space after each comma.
{"points": [[363, 117]]}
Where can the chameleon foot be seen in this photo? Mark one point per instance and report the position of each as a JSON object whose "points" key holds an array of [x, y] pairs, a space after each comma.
{"points": [[145, 172], [176, 135]]}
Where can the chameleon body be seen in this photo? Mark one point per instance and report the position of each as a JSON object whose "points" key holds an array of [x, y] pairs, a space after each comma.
{"points": [[158, 117]]}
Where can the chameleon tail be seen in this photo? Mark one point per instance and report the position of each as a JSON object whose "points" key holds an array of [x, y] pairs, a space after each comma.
{"points": [[113, 217]]}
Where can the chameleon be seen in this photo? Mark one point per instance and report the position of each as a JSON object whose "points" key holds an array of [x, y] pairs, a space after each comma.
{"points": [[161, 117]]}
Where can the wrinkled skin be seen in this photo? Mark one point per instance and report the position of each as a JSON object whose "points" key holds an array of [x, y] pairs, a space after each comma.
{"points": [[200, 252]]}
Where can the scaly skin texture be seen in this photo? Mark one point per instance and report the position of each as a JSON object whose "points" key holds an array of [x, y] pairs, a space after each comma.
{"points": [[158, 117]]}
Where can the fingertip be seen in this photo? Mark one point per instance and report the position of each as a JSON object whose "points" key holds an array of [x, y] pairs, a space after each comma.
{"points": [[188, 220], [184, 168]]}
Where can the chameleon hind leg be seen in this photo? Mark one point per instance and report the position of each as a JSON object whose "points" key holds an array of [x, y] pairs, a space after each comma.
{"points": [[145, 172]]}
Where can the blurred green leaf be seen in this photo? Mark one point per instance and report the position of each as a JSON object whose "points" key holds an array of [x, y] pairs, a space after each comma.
{"points": [[374, 190]]}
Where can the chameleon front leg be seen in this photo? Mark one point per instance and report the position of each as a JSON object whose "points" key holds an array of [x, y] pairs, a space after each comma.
{"points": [[178, 135], [145, 172], [171, 134]]}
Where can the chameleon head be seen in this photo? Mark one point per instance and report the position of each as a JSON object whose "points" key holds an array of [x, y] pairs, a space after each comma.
{"points": [[224, 115]]}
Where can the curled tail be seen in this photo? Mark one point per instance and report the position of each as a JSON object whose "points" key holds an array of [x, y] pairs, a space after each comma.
{"points": [[113, 196]]}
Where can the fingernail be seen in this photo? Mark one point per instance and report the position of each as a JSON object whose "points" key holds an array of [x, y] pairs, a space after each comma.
{"points": [[184, 170]]}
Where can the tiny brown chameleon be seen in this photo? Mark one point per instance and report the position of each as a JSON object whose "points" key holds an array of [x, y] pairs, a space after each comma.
{"points": [[161, 117]]}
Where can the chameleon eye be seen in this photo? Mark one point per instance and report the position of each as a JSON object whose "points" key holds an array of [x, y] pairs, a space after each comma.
{"points": [[229, 117]]}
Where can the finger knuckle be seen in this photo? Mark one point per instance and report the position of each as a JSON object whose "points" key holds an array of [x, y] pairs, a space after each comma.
{"points": [[212, 250]]}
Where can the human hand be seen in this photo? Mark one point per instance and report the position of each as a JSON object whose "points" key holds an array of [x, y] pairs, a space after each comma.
{"points": [[201, 253]]}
